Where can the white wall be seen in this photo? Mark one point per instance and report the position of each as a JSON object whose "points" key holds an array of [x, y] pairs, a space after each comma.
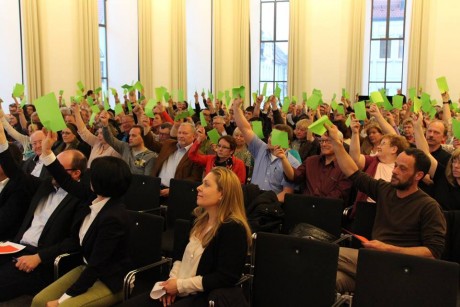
{"points": [[10, 52], [254, 19], [122, 44]]}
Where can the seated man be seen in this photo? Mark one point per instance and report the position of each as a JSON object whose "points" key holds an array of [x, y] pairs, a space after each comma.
{"points": [[407, 220], [139, 159], [268, 169], [46, 224], [320, 173]]}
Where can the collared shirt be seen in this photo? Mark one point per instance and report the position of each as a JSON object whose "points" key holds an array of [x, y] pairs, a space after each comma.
{"points": [[268, 170], [42, 213], [38, 167], [3, 183], [95, 207], [168, 170]]}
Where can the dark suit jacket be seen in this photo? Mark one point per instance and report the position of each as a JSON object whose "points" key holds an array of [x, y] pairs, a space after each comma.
{"points": [[29, 165], [57, 228], [105, 244], [186, 169]]}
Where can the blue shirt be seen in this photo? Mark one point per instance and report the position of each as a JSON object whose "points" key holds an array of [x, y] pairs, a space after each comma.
{"points": [[268, 172]]}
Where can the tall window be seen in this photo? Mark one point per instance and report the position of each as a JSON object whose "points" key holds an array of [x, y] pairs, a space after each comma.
{"points": [[387, 35], [103, 43], [274, 34]]}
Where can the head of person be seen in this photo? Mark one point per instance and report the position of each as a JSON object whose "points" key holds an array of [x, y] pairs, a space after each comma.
{"points": [[34, 118], [207, 115], [220, 191], [284, 128], [301, 129], [32, 127], [239, 138], [411, 165], [392, 145], [157, 121], [374, 134], [12, 119], [13, 108], [225, 147], [218, 122], [70, 119], [29, 109], [326, 145], [185, 134], [408, 127], [85, 115], [69, 134], [110, 176], [74, 162], [36, 139], [127, 122], [164, 133], [249, 112], [17, 157], [218, 104], [100, 136], [453, 168], [436, 133], [135, 137]]}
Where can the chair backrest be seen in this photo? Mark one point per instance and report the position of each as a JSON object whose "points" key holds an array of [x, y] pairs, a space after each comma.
{"points": [[452, 246], [324, 213], [363, 221], [143, 193], [392, 279], [145, 238], [181, 200], [181, 237], [290, 271]]}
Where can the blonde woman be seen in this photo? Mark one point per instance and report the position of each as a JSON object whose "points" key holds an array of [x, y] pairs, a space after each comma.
{"points": [[215, 255]]}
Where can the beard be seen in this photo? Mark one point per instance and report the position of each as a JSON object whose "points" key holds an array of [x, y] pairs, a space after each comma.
{"points": [[403, 185]]}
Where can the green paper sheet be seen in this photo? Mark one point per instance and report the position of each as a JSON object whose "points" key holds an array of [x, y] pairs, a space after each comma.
{"points": [[80, 86], [91, 119], [425, 98], [235, 92], [23, 102], [434, 102], [228, 101], [277, 91], [334, 97], [454, 106], [90, 100], [360, 110], [257, 128], [341, 109], [98, 90], [220, 95], [18, 90], [106, 103], [456, 128], [78, 98], [432, 113], [180, 95], [130, 107], [181, 115], [426, 105], [376, 97], [442, 84], [417, 105], [412, 93], [95, 109], [280, 138], [386, 103], [313, 101], [191, 111], [50, 115], [264, 90], [203, 120], [149, 108], [214, 136], [159, 93], [294, 99], [125, 86], [114, 91], [227, 94], [118, 109], [286, 104], [348, 121], [334, 105], [61, 92], [166, 96], [242, 92], [317, 92], [304, 96], [318, 126], [254, 97], [397, 101], [79, 93], [210, 96], [345, 94], [138, 86]]}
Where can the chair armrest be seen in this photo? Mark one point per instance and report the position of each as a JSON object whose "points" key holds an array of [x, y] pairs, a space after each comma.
{"points": [[131, 275], [65, 262]]}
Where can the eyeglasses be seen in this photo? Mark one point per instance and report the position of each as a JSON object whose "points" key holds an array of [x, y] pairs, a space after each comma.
{"points": [[324, 141], [66, 132], [222, 146]]}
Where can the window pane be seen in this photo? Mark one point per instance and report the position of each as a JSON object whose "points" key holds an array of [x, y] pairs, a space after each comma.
{"points": [[377, 63], [392, 88], [284, 92], [269, 87], [397, 18], [105, 86], [267, 58], [103, 52], [267, 25], [375, 86], [379, 19], [394, 69], [281, 61], [101, 11], [282, 21]]}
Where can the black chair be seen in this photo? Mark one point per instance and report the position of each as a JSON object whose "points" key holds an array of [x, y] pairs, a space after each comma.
{"points": [[143, 193], [290, 271], [363, 222], [392, 279], [324, 213], [452, 246], [181, 202]]}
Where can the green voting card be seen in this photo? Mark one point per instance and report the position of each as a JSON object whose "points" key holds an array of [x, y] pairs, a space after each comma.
{"points": [[360, 110], [214, 136], [18, 90], [397, 101], [118, 109], [442, 84], [149, 108], [280, 138], [257, 128], [318, 126], [50, 115]]}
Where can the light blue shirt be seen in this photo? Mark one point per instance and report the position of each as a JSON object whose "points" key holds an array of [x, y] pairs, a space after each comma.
{"points": [[268, 170], [168, 169]]}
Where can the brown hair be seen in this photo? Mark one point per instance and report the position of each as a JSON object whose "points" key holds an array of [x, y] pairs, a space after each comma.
{"points": [[449, 174]]}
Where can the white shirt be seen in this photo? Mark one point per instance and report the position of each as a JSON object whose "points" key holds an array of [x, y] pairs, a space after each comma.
{"points": [[168, 170], [3, 183], [95, 207], [38, 168], [384, 171]]}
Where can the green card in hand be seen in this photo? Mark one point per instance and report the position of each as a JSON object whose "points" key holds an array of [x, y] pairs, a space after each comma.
{"points": [[50, 115], [277, 91], [159, 93], [334, 105], [181, 97], [257, 128], [341, 109], [118, 109], [286, 104], [313, 101], [149, 108], [242, 92], [397, 101], [417, 105], [220, 95], [360, 110], [376, 97], [191, 112], [18, 90], [304, 96], [214, 136], [80, 86], [280, 138], [348, 121], [442, 84], [203, 120], [138, 86], [61, 92], [345, 94], [456, 128], [412, 93], [114, 91], [318, 126], [264, 90]]}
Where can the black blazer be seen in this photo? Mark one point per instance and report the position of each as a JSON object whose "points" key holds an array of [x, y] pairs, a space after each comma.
{"points": [[223, 260], [105, 244], [29, 165]]}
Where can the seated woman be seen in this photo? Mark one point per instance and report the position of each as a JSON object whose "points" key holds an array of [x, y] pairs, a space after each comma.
{"points": [[225, 149], [215, 255], [100, 233], [71, 140]]}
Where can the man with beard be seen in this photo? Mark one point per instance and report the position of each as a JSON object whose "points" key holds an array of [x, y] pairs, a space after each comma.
{"points": [[407, 220]]}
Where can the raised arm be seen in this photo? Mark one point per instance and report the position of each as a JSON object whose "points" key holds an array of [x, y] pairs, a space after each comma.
{"points": [[242, 122], [355, 146], [287, 167], [85, 134], [346, 163], [422, 144], [108, 136], [386, 127]]}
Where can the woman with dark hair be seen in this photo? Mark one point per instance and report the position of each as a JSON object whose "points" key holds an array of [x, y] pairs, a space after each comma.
{"points": [[224, 149], [100, 233], [71, 140], [215, 254]]}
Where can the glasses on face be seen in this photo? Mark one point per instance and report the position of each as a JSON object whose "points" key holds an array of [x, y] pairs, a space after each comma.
{"points": [[324, 141], [222, 146], [66, 133]]}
